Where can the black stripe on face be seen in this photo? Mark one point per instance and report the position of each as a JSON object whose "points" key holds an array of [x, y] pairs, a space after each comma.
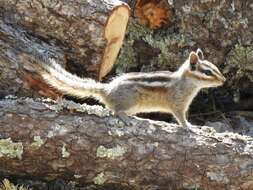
{"points": [[210, 73], [150, 79], [212, 69], [207, 72], [218, 73]]}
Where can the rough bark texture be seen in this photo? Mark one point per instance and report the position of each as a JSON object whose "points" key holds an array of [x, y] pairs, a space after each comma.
{"points": [[13, 42], [40, 139]]}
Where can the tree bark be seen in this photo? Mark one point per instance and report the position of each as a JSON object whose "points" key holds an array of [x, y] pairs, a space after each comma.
{"points": [[87, 145], [14, 42]]}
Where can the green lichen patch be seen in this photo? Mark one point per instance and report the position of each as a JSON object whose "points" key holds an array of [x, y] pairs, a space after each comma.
{"points": [[62, 104], [64, 152], [166, 42], [111, 153], [37, 142], [239, 65], [126, 58], [7, 185], [100, 179], [10, 149]]}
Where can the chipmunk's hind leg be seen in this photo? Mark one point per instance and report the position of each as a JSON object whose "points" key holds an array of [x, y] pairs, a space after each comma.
{"points": [[123, 98], [125, 101], [122, 109]]}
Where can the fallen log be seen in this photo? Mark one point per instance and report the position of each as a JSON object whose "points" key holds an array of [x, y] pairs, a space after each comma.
{"points": [[85, 144]]}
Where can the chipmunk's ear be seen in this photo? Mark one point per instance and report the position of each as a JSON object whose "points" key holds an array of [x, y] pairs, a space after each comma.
{"points": [[193, 58], [199, 52]]}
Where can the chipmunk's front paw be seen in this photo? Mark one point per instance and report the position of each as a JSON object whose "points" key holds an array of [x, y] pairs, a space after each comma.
{"points": [[124, 118], [188, 124], [191, 128], [188, 127]]}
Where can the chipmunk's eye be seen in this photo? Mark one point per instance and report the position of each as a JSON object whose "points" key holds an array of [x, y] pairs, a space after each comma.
{"points": [[207, 72], [193, 67]]}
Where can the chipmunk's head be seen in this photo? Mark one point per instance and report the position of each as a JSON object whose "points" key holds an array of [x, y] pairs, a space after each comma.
{"points": [[203, 72]]}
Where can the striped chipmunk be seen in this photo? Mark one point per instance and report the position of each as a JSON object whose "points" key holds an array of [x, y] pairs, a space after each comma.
{"points": [[132, 93]]}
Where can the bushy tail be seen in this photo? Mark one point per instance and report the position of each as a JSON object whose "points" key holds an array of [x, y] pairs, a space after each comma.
{"points": [[64, 81]]}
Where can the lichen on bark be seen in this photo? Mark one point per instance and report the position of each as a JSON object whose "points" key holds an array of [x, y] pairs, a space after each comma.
{"points": [[239, 65], [37, 142], [11, 149], [111, 153]]}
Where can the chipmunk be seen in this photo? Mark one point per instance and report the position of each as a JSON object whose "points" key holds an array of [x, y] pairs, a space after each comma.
{"points": [[132, 93]]}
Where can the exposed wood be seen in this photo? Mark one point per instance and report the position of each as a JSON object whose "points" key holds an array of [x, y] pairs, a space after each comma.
{"points": [[43, 140], [35, 83], [115, 29], [153, 13]]}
